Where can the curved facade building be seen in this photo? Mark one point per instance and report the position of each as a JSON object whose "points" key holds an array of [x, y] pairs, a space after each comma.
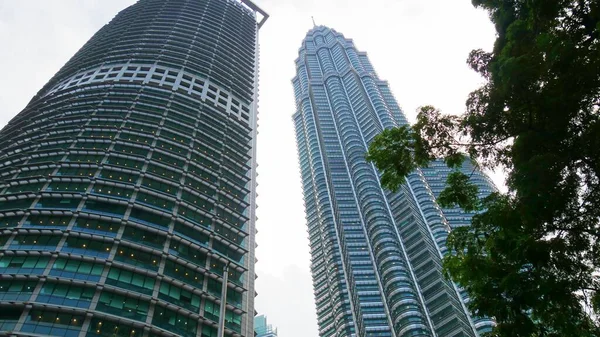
{"points": [[376, 256], [128, 182]]}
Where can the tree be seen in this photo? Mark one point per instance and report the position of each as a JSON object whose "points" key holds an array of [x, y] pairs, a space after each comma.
{"points": [[531, 258]]}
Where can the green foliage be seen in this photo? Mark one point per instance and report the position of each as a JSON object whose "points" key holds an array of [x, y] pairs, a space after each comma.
{"points": [[392, 151], [530, 259], [459, 191]]}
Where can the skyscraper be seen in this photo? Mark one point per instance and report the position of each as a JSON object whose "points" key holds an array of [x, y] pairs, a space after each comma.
{"points": [[263, 329], [128, 182], [376, 256]]}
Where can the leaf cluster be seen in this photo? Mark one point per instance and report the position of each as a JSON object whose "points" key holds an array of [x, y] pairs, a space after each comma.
{"points": [[530, 259]]}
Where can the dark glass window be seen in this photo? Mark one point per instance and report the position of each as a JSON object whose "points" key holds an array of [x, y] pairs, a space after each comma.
{"points": [[81, 270], [123, 306], [179, 297], [67, 186], [16, 290], [87, 247], [112, 191], [66, 294], [53, 324], [77, 171], [130, 280], [35, 242], [34, 173], [137, 258], [186, 275], [211, 310], [191, 234], [102, 227], [85, 158], [159, 186], [141, 236], [10, 221], [118, 176], [164, 172], [9, 318], [155, 201], [102, 207], [194, 216], [188, 253], [104, 328], [57, 203], [31, 187], [23, 264], [149, 218], [15, 204], [47, 221], [175, 322], [125, 162]]}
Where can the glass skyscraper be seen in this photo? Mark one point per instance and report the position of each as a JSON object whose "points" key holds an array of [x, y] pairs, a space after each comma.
{"points": [[376, 256], [263, 329], [127, 184]]}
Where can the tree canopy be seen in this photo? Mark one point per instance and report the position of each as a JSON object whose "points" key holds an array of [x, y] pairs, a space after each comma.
{"points": [[530, 260]]}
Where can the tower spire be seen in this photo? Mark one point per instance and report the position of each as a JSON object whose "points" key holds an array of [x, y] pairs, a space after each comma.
{"points": [[313, 20]]}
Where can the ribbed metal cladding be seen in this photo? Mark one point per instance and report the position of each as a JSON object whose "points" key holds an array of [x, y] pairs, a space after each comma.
{"points": [[128, 182], [376, 256]]}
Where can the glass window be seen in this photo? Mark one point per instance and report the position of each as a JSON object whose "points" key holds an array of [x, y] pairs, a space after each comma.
{"points": [[66, 294], [94, 206], [192, 234], [211, 310], [209, 331], [58, 186], [53, 324], [137, 258], [188, 253], [163, 172], [81, 270], [103, 227], [35, 242], [112, 191], [57, 203], [36, 172], [132, 137], [130, 280], [160, 202], [197, 201], [144, 237], [149, 218], [118, 176], [47, 221], [179, 297], [9, 318], [187, 275], [23, 264], [43, 159], [159, 186], [123, 306], [10, 221], [175, 322], [16, 290], [31, 187], [104, 328], [87, 247], [194, 216], [215, 287], [126, 162], [234, 321], [85, 158]]}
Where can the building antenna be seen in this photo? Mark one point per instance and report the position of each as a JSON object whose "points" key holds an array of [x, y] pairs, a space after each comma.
{"points": [[313, 19]]}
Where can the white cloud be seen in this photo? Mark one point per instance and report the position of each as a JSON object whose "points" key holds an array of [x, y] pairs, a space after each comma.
{"points": [[419, 46]]}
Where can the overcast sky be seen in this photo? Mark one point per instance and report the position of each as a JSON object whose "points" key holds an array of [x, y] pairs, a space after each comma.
{"points": [[419, 46]]}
